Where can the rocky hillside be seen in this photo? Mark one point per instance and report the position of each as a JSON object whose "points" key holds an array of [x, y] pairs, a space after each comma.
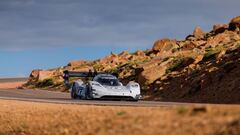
{"points": [[205, 67]]}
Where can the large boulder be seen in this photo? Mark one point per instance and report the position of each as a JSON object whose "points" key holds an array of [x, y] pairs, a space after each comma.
{"points": [[223, 38], [235, 23], [34, 74], [151, 73], [198, 33], [109, 59], [219, 28], [44, 74], [157, 69], [40, 75], [140, 53], [199, 43], [152, 63], [153, 70], [164, 45], [195, 54], [189, 45]]}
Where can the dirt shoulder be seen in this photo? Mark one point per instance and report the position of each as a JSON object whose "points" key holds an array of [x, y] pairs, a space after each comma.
{"points": [[17, 117], [11, 85]]}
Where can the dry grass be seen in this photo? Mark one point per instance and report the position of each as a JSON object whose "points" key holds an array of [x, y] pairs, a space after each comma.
{"points": [[17, 117]]}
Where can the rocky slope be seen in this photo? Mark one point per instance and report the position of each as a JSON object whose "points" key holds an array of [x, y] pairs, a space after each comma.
{"points": [[202, 68]]}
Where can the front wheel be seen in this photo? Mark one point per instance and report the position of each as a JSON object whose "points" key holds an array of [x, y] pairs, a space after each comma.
{"points": [[89, 94]]}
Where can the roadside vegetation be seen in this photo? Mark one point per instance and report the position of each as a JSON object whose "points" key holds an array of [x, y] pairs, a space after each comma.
{"points": [[20, 118]]}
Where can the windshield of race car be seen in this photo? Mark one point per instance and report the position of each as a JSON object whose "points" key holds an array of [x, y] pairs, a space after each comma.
{"points": [[108, 82]]}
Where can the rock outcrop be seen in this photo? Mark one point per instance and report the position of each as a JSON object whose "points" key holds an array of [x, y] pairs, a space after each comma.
{"points": [[41, 75], [77, 63], [198, 33], [164, 45], [235, 23], [219, 28], [202, 68]]}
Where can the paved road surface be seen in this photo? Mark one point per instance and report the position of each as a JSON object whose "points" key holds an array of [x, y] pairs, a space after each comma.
{"points": [[64, 98]]}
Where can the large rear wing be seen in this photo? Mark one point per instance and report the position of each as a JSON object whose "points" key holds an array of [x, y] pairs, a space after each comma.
{"points": [[69, 74]]}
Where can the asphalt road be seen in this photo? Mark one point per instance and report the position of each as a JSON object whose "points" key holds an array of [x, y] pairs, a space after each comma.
{"points": [[64, 98]]}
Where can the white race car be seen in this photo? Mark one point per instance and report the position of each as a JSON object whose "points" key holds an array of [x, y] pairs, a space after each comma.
{"points": [[102, 86]]}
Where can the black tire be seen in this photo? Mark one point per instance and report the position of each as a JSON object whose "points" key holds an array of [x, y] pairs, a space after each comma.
{"points": [[73, 93], [89, 92]]}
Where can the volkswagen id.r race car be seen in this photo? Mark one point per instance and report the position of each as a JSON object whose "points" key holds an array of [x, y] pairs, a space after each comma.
{"points": [[101, 86]]}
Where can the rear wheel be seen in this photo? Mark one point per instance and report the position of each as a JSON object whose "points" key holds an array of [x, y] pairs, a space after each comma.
{"points": [[73, 92]]}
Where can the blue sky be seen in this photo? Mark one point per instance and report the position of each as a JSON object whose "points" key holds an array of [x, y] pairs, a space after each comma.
{"points": [[20, 63], [38, 34]]}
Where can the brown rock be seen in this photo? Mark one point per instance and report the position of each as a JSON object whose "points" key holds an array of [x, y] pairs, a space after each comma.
{"points": [[152, 71], [198, 59], [189, 53], [123, 54], [40, 75], [139, 53], [198, 33], [148, 76], [235, 23], [44, 74], [164, 45], [34, 74], [153, 62], [221, 54], [76, 63], [189, 46], [223, 38], [190, 37], [68, 68], [219, 28], [109, 59]]}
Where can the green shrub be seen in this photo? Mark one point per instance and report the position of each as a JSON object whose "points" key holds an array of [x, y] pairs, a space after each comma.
{"points": [[182, 110], [228, 66], [113, 70], [211, 52], [45, 83], [176, 63], [121, 113]]}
